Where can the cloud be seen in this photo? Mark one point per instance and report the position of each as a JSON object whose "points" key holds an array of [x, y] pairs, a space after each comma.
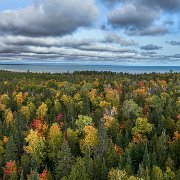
{"points": [[111, 3], [50, 18], [176, 56], [154, 30], [114, 38], [132, 16], [173, 43], [61, 47], [104, 47], [144, 17], [151, 47], [60, 52], [169, 5], [66, 41], [51, 31]]}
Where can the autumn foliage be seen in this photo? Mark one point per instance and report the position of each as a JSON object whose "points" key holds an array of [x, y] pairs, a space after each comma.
{"points": [[89, 125]]}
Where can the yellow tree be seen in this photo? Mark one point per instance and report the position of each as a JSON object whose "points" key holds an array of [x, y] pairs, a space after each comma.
{"points": [[90, 140], [9, 116], [42, 111], [2, 106], [19, 99], [31, 107], [104, 104], [108, 120], [142, 126], [54, 140], [112, 96], [25, 111], [4, 99], [36, 146]]}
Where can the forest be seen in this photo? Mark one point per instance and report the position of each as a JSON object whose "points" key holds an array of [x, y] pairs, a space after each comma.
{"points": [[89, 125]]}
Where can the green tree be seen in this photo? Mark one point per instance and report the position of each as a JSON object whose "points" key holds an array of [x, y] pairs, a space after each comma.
{"points": [[11, 152], [79, 171], [142, 126], [83, 121], [131, 110], [156, 173], [25, 164], [169, 174], [64, 161]]}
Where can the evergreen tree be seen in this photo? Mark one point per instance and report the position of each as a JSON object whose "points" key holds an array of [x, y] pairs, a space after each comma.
{"points": [[10, 150], [25, 164], [64, 161], [161, 150], [146, 157], [86, 105], [79, 171], [153, 158], [89, 163]]}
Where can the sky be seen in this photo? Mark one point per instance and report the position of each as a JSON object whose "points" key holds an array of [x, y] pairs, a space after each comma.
{"points": [[123, 32]]}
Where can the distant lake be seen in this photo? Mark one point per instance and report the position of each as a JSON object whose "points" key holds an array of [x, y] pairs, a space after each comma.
{"points": [[60, 68]]}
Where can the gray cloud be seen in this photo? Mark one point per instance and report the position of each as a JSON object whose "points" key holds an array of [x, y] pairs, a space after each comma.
{"points": [[52, 17], [66, 41], [57, 52], [151, 47], [176, 56], [114, 38], [149, 53], [111, 3], [61, 47], [132, 16], [169, 5], [153, 30], [43, 31], [174, 43], [143, 17], [104, 47]]}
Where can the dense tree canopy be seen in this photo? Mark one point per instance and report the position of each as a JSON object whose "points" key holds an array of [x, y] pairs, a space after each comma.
{"points": [[89, 125]]}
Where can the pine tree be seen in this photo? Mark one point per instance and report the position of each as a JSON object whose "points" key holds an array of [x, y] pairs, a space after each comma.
{"points": [[128, 166], [161, 149], [25, 164], [146, 157], [34, 175], [86, 105], [64, 161], [10, 150], [89, 163], [79, 171], [103, 141], [22, 176], [153, 158]]}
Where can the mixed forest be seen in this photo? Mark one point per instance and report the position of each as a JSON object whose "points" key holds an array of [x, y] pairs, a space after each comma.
{"points": [[89, 125]]}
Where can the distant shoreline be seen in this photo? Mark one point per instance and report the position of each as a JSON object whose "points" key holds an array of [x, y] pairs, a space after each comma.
{"points": [[49, 64], [70, 68]]}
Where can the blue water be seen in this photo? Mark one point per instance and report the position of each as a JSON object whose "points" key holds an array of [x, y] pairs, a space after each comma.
{"points": [[60, 68]]}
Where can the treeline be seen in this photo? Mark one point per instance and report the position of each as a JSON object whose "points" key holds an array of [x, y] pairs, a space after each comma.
{"points": [[89, 125]]}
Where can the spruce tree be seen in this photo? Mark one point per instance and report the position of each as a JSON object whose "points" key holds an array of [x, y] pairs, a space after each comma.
{"points": [[64, 161], [79, 171], [11, 150], [146, 157]]}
